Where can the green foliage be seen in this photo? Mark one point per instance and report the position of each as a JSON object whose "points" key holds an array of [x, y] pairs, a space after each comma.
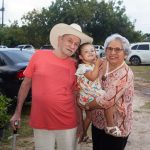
{"points": [[12, 36], [24, 132], [4, 103], [108, 18], [147, 37]]}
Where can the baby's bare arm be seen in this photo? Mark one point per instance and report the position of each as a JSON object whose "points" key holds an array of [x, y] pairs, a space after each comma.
{"points": [[92, 75]]}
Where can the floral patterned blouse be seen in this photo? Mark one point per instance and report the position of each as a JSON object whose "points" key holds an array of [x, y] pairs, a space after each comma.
{"points": [[89, 90], [119, 87]]}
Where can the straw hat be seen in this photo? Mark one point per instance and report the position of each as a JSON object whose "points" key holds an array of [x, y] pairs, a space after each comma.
{"points": [[61, 29]]}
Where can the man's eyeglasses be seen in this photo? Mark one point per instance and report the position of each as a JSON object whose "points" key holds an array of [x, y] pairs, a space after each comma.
{"points": [[116, 50]]}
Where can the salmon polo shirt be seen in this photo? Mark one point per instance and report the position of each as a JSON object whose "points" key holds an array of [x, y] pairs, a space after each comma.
{"points": [[53, 101]]}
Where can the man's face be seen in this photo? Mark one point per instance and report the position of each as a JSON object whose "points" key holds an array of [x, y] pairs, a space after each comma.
{"points": [[68, 44]]}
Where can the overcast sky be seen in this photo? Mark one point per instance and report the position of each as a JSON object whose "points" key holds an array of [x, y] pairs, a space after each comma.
{"points": [[135, 9]]}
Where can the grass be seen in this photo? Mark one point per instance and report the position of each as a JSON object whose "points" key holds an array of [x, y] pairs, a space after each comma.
{"points": [[24, 132], [146, 105], [141, 68], [141, 72]]}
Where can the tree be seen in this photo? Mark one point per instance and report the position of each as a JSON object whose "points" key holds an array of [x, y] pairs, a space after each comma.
{"points": [[110, 18], [98, 19], [147, 37], [13, 35]]}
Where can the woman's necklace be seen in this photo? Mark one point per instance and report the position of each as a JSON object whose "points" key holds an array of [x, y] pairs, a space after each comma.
{"points": [[107, 70]]}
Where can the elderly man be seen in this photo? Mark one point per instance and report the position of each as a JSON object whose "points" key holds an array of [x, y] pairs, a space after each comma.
{"points": [[51, 74]]}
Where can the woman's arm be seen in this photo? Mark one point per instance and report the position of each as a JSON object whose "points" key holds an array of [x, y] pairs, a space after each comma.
{"points": [[115, 90], [92, 105]]}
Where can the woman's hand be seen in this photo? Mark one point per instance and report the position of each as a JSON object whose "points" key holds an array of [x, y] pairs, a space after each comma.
{"points": [[91, 105]]}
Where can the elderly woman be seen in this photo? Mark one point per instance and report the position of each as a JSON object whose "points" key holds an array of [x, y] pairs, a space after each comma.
{"points": [[117, 80]]}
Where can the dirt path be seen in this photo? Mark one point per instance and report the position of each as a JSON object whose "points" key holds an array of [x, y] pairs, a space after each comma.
{"points": [[140, 136]]}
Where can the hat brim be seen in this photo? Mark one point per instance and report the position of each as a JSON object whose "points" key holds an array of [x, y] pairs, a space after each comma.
{"points": [[61, 29]]}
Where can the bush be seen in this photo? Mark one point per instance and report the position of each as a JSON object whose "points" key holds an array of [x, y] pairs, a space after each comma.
{"points": [[4, 116]]}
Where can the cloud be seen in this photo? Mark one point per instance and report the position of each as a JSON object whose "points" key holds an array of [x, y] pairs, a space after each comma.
{"points": [[139, 11], [15, 9]]}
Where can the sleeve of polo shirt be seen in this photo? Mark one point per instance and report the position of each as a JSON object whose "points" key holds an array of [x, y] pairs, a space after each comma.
{"points": [[28, 72]]}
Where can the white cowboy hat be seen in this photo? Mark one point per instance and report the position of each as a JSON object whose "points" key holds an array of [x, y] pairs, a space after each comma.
{"points": [[61, 29]]}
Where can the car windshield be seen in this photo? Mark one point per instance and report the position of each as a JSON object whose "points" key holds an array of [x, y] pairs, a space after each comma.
{"points": [[19, 46], [46, 47], [18, 56]]}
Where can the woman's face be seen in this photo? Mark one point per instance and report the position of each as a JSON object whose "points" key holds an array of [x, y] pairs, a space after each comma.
{"points": [[115, 53]]}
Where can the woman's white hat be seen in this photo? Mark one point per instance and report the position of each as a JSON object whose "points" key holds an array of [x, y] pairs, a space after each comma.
{"points": [[61, 29]]}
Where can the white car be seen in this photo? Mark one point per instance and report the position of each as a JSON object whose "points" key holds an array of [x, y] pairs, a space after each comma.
{"points": [[3, 46], [140, 53], [100, 50], [26, 47]]}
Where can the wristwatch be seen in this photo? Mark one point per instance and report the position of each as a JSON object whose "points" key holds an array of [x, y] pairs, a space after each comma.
{"points": [[87, 107]]}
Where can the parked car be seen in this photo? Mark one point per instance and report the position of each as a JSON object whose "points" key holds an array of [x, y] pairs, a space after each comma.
{"points": [[140, 53], [100, 50], [25, 47], [3, 46], [47, 47], [12, 64]]}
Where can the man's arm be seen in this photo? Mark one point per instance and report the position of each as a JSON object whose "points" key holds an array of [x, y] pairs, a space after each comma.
{"points": [[22, 94]]}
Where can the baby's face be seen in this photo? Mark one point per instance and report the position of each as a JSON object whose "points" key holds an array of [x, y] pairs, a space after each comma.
{"points": [[88, 53]]}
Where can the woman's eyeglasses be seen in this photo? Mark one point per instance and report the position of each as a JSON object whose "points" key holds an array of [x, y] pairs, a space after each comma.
{"points": [[116, 50]]}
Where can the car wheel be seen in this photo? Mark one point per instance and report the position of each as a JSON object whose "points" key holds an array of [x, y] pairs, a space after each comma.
{"points": [[135, 61]]}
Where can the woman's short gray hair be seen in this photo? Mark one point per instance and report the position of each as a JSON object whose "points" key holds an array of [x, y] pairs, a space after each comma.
{"points": [[125, 43]]}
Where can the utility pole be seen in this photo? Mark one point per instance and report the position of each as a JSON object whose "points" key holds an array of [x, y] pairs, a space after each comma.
{"points": [[2, 10]]}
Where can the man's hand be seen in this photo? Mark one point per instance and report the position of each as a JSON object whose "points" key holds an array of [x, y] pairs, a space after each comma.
{"points": [[15, 119]]}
